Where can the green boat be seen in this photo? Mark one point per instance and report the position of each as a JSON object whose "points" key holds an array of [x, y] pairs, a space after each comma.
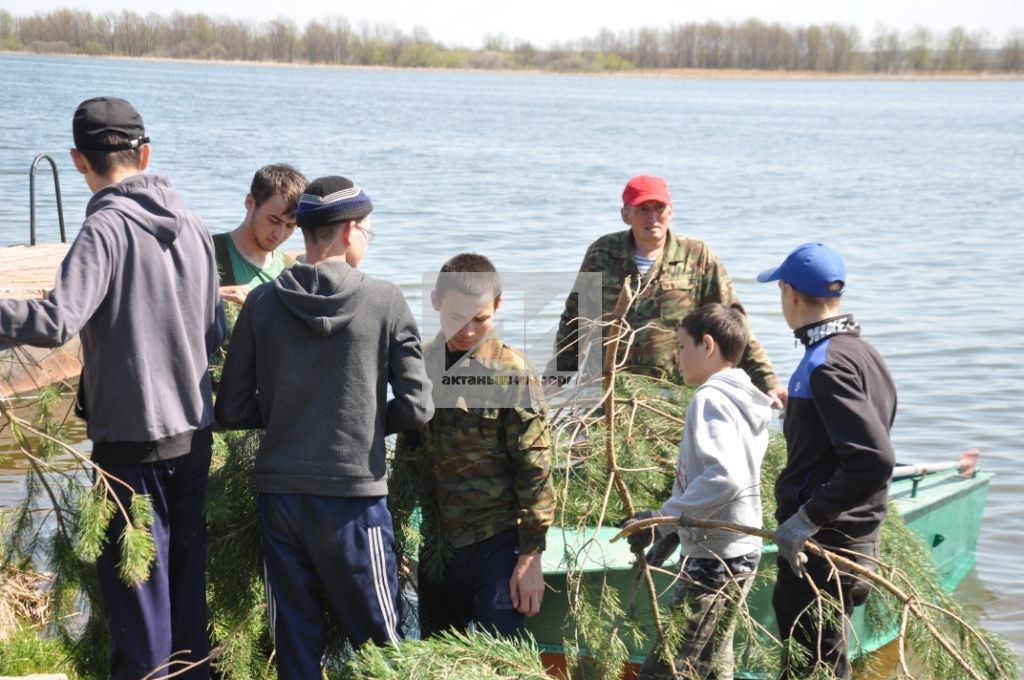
{"points": [[943, 508]]}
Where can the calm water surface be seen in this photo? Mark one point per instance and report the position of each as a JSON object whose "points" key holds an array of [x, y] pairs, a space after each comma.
{"points": [[918, 184]]}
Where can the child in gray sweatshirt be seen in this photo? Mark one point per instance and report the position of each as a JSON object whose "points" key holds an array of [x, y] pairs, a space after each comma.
{"points": [[717, 478]]}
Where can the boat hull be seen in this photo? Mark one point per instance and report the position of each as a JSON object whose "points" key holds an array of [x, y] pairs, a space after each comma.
{"points": [[943, 509]]}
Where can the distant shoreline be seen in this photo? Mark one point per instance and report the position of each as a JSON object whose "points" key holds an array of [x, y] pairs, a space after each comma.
{"points": [[659, 73]]}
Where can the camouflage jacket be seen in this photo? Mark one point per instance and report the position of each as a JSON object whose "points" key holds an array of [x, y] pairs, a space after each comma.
{"points": [[485, 465], [685, 277]]}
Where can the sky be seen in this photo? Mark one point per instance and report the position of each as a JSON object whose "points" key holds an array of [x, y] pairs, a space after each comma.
{"points": [[542, 22]]}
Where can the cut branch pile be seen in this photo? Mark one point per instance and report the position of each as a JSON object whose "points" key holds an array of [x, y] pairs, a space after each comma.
{"points": [[612, 458]]}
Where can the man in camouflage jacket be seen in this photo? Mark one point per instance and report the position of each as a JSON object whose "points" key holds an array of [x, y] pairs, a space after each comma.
{"points": [[483, 464], [672, 275]]}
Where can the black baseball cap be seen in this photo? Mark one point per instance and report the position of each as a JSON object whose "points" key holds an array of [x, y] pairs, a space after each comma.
{"points": [[95, 116]]}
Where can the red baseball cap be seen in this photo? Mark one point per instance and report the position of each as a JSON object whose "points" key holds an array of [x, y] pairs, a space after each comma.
{"points": [[645, 188]]}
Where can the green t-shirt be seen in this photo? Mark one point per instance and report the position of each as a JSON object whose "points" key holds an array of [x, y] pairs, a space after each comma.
{"points": [[248, 274]]}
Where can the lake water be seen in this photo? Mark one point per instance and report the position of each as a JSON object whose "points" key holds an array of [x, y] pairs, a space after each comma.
{"points": [[919, 184]]}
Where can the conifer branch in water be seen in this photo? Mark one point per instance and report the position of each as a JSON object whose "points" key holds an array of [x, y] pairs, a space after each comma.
{"points": [[137, 548]]}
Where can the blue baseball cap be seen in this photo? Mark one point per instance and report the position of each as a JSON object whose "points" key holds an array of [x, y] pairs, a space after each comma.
{"points": [[812, 269]]}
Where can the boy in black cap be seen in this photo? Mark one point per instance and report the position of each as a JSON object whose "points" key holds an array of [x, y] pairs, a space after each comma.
{"points": [[835, 486], [312, 356], [140, 287]]}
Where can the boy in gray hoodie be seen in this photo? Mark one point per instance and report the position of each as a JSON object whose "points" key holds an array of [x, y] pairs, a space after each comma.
{"points": [[717, 478], [139, 287], [312, 356]]}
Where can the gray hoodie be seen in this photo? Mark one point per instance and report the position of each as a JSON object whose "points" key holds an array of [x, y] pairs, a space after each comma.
{"points": [[719, 472], [310, 360], [140, 287]]}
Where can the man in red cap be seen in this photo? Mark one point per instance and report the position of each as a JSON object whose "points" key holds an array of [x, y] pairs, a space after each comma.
{"points": [[672, 275]]}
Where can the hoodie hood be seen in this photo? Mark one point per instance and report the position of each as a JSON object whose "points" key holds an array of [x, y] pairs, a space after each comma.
{"points": [[322, 295], [146, 201], [755, 405]]}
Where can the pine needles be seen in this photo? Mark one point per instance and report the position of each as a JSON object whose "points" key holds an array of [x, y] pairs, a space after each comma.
{"points": [[236, 596], [648, 420], [607, 621], [450, 656]]}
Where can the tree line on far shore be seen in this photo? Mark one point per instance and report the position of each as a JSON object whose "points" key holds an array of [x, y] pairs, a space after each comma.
{"points": [[752, 44]]}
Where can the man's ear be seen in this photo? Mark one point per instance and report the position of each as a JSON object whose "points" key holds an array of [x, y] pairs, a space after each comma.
{"points": [[80, 161], [144, 156], [435, 301], [497, 303], [624, 212], [250, 202]]}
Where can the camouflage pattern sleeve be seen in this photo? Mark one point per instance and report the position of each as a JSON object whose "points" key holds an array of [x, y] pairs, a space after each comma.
{"points": [[566, 337], [531, 460], [716, 286]]}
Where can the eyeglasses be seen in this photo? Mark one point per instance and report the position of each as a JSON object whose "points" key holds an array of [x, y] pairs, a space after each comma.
{"points": [[369, 233]]}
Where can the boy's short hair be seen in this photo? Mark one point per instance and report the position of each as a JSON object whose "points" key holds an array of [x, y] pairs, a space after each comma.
{"points": [[469, 274], [278, 178], [103, 161], [725, 325], [821, 302]]}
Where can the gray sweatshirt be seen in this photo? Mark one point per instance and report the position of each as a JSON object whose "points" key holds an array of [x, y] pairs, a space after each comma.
{"points": [[719, 472], [140, 287], [310, 360]]}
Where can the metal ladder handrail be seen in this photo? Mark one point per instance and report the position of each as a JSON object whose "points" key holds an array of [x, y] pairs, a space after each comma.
{"points": [[32, 197]]}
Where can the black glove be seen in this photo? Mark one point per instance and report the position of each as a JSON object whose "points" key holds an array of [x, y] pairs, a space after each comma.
{"points": [[639, 540], [663, 549]]}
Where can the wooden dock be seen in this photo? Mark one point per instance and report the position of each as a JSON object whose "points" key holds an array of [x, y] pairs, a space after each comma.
{"points": [[26, 273], [29, 272]]}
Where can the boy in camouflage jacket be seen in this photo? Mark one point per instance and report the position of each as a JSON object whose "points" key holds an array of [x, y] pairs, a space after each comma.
{"points": [[483, 464]]}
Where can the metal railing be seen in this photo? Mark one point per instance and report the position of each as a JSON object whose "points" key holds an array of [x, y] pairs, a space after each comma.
{"points": [[32, 198]]}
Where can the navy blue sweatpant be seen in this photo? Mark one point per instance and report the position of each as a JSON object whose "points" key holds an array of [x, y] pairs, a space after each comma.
{"points": [[166, 615], [321, 551], [475, 590]]}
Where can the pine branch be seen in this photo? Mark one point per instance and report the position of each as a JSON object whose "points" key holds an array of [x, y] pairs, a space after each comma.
{"points": [[909, 600], [620, 328]]}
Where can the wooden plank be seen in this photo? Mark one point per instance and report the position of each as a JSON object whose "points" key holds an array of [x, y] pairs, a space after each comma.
{"points": [[29, 272]]}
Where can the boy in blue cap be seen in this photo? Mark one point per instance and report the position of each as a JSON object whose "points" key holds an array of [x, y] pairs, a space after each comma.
{"points": [[835, 486]]}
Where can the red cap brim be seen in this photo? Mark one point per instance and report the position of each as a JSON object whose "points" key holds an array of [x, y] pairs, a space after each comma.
{"points": [[650, 196]]}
